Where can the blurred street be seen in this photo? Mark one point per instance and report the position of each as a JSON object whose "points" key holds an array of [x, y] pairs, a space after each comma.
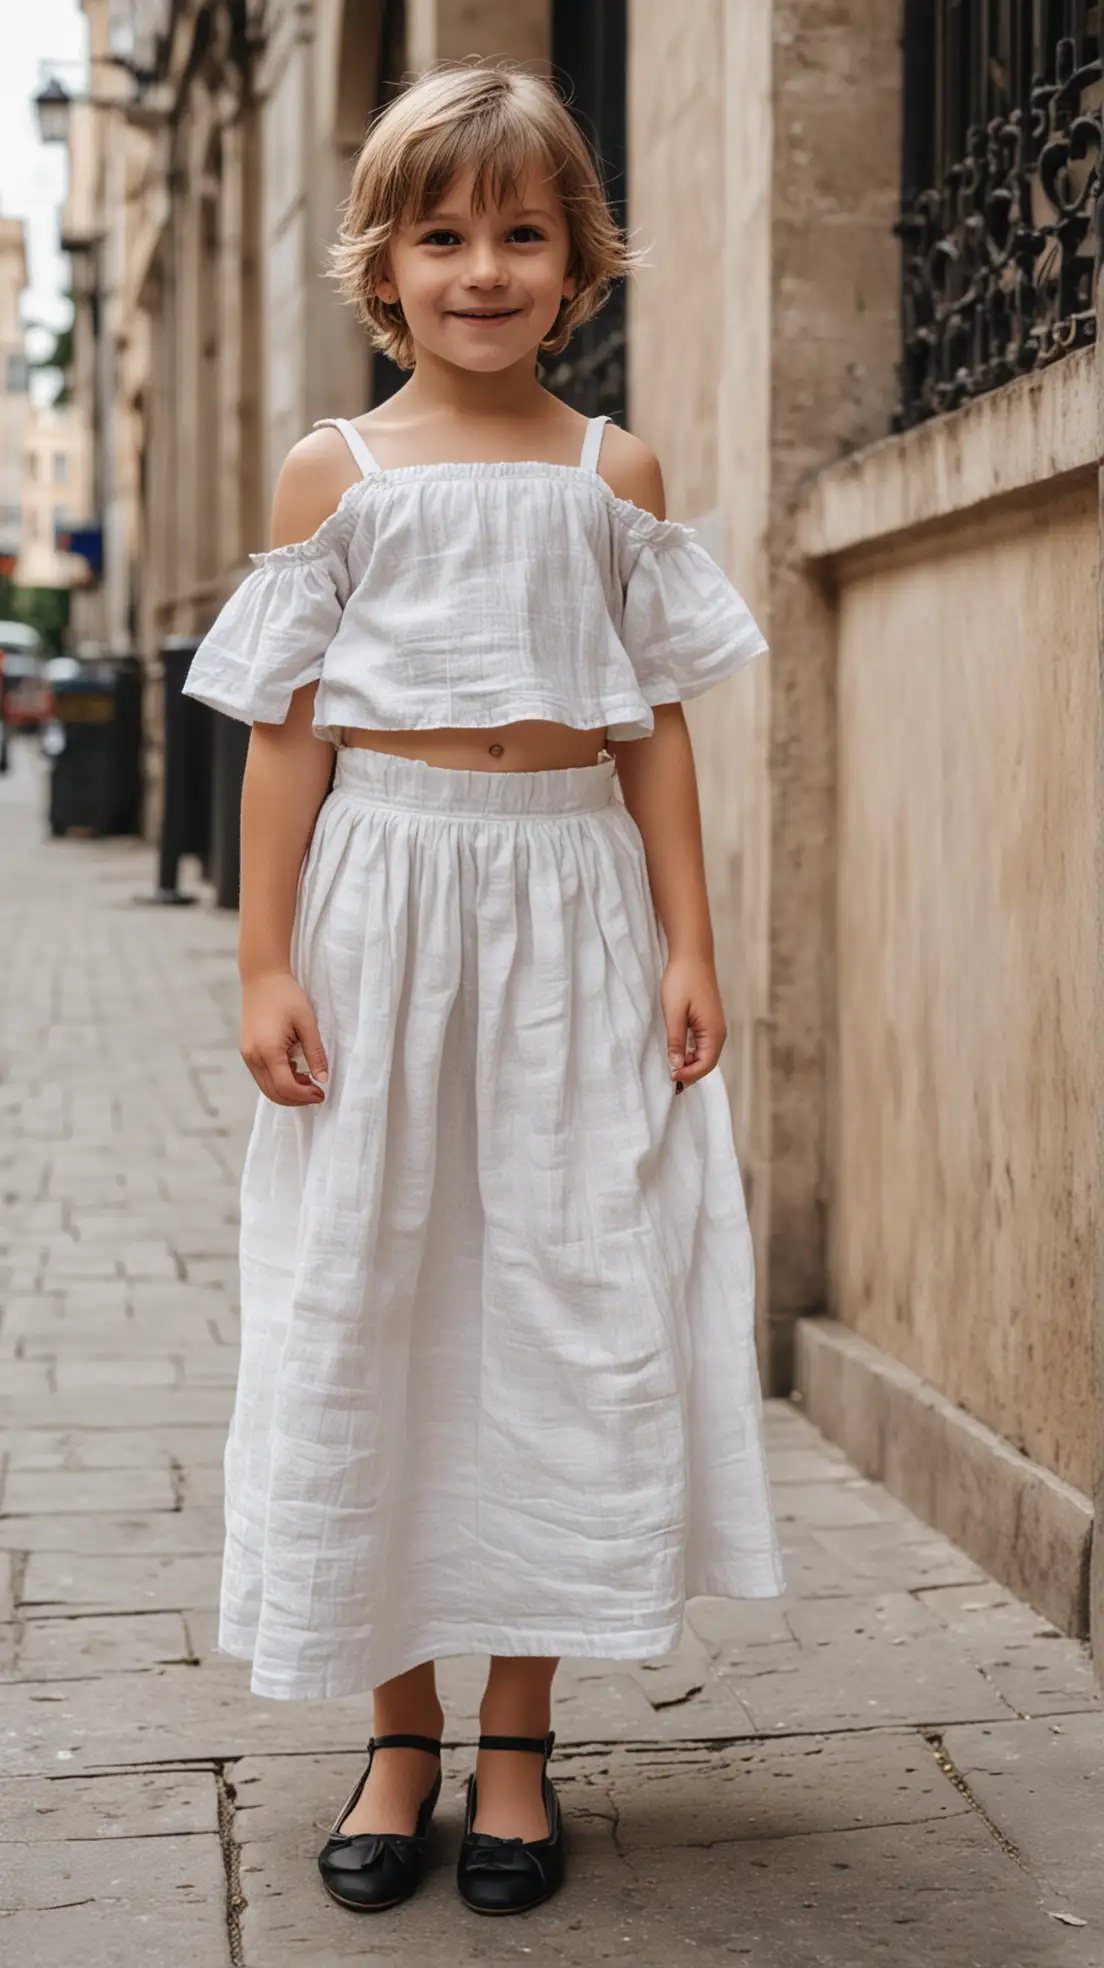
{"points": [[895, 1764]]}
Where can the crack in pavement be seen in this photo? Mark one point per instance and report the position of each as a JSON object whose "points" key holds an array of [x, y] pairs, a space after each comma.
{"points": [[231, 1858]]}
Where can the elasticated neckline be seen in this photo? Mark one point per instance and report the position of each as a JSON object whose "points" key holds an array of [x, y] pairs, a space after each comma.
{"points": [[660, 532]]}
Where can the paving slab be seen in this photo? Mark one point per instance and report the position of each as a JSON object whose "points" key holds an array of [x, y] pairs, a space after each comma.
{"points": [[59, 1583], [1036, 1669], [1043, 1784], [79, 1648], [192, 1530], [63, 1493], [98, 1903], [143, 1804], [122, 1448]]}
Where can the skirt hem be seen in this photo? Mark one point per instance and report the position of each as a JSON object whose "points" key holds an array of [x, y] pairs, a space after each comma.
{"points": [[570, 1643]]}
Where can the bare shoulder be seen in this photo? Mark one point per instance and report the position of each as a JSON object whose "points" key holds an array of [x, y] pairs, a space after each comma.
{"points": [[631, 470], [312, 479]]}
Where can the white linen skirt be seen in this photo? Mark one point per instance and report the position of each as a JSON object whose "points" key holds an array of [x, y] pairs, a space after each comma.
{"points": [[498, 1392]]}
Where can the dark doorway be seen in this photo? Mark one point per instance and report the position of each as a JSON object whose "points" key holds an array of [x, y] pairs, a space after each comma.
{"points": [[386, 376], [589, 61]]}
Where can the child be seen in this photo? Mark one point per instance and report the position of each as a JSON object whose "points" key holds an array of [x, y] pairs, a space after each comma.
{"points": [[498, 1391]]}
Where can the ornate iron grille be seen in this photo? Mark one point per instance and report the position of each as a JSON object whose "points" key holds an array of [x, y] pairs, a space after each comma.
{"points": [[1001, 207]]}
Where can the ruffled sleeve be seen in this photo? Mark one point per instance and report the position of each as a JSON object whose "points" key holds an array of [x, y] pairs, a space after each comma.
{"points": [[683, 624], [272, 634]]}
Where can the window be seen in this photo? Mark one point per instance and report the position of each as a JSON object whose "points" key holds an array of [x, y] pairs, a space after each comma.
{"points": [[1000, 193], [61, 468], [16, 375], [32, 467]]}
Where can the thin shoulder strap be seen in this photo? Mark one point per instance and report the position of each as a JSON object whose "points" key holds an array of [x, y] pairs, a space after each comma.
{"points": [[592, 443], [355, 442]]}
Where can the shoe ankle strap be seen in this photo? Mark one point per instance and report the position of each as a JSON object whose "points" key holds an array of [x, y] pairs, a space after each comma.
{"points": [[540, 1745], [429, 1743]]}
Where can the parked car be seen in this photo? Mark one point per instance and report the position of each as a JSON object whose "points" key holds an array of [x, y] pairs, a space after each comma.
{"points": [[25, 699]]}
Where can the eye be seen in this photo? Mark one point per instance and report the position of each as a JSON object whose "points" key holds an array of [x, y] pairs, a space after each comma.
{"points": [[527, 234], [441, 236]]}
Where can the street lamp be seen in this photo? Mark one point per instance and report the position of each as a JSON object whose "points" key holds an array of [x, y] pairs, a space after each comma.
{"points": [[53, 106], [54, 102]]}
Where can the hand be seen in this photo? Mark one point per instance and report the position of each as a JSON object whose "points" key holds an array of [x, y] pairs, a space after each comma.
{"points": [[277, 1019], [694, 1017]]}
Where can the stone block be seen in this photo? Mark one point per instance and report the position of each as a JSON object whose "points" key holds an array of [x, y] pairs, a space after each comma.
{"points": [[118, 1448], [865, 1664], [162, 1902], [65, 1492], [153, 1803], [61, 1649], [1041, 1783], [1023, 1524], [178, 1533], [57, 1583], [1037, 1669], [932, 1894]]}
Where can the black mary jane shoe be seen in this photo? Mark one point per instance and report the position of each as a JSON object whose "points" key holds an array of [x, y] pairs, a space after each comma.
{"points": [[371, 1870], [508, 1875]]}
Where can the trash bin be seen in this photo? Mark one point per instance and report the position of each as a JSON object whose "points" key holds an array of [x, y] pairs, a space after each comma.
{"points": [[186, 802], [96, 749]]}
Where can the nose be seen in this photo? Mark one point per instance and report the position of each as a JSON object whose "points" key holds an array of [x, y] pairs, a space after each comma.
{"points": [[483, 266]]}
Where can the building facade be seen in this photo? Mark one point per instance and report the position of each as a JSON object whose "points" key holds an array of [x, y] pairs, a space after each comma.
{"points": [[13, 389], [57, 493], [885, 424]]}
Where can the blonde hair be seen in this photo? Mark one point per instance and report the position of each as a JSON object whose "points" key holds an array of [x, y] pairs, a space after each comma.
{"points": [[496, 121]]}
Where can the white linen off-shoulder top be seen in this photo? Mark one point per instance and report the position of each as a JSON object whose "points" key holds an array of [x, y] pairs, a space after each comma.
{"points": [[469, 595]]}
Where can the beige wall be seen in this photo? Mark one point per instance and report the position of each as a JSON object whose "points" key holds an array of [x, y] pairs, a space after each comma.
{"points": [[763, 179], [966, 1126], [699, 210], [676, 216]]}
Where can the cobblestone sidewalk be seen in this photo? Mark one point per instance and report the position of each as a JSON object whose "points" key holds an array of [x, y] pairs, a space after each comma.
{"points": [[897, 1764]]}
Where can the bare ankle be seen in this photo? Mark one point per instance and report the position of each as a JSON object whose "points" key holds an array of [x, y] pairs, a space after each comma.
{"points": [[408, 1705]]}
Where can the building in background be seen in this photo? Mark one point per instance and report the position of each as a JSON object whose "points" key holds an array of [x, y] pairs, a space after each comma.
{"points": [[902, 807], [57, 493], [13, 390]]}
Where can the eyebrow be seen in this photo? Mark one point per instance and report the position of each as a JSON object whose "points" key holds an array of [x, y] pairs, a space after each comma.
{"points": [[463, 218]]}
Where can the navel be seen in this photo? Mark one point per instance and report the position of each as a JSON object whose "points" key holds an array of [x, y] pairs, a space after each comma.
{"points": [[496, 751]]}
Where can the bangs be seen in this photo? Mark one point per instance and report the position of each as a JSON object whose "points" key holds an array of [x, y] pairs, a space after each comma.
{"points": [[501, 150]]}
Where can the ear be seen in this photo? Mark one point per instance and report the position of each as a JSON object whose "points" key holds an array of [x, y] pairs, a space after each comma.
{"points": [[570, 287], [385, 289]]}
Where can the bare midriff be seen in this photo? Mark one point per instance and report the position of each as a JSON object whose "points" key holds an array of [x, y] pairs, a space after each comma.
{"points": [[532, 746]]}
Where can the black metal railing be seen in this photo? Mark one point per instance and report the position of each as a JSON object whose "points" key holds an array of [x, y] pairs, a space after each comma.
{"points": [[1000, 206]]}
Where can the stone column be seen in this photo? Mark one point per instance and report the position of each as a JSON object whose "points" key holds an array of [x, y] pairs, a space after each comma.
{"points": [[800, 178]]}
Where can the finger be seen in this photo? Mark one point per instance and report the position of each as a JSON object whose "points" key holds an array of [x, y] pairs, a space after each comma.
{"points": [[287, 1090], [676, 1018], [704, 1057], [309, 1037]]}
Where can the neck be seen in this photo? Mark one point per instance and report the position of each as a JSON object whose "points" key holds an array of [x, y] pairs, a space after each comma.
{"points": [[437, 385]]}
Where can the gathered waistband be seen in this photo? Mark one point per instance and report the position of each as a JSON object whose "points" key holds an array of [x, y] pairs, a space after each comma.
{"points": [[382, 779]]}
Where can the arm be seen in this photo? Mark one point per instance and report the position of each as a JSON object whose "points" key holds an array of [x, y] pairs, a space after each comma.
{"points": [[660, 787], [287, 773]]}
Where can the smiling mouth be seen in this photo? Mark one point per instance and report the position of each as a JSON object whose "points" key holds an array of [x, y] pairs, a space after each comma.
{"points": [[484, 314]]}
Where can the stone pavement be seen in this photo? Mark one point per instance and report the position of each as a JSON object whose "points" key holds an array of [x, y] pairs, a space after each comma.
{"points": [[897, 1764]]}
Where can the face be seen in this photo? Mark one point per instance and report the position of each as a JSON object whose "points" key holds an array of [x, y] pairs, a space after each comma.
{"points": [[481, 290]]}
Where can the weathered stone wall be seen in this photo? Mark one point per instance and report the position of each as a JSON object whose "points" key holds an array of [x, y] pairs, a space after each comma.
{"points": [[965, 1142], [835, 175]]}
